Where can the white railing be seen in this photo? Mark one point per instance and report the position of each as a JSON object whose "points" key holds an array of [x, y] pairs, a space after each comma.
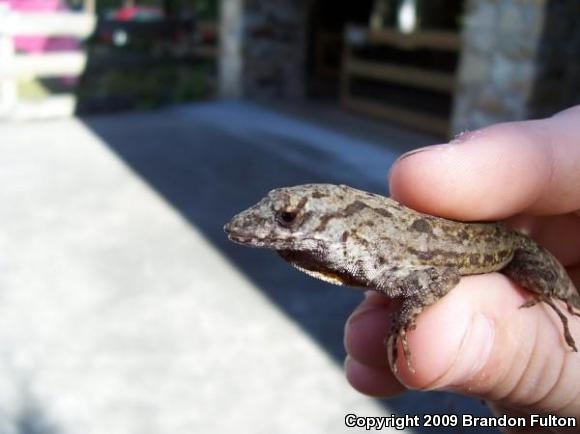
{"points": [[18, 66]]}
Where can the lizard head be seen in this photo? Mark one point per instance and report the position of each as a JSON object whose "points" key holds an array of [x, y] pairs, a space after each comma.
{"points": [[321, 229], [292, 218]]}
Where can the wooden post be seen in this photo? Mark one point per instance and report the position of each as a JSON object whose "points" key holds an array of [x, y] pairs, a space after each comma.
{"points": [[15, 66], [8, 85], [90, 7]]}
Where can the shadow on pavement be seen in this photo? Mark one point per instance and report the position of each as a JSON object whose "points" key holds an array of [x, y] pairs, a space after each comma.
{"points": [[209, 173]]}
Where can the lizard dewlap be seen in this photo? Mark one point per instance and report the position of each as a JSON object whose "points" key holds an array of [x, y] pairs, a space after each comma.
{"points": [[352, 237]]}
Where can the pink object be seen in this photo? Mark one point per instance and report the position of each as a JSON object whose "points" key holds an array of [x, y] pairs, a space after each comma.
{"points": [[39, 44], [128, 13]]}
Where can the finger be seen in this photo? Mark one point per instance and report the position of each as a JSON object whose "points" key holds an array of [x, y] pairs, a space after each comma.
{"points": [[496, 172], [559, 234], [367, 366], [378, 382], [366, 330], [499, 410], [478, 341]]}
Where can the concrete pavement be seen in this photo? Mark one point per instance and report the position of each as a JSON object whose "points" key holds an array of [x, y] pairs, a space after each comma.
{"points": [[123, 309]]}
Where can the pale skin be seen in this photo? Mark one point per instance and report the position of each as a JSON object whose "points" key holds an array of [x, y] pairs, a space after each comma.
{"points": [[475, 340]]}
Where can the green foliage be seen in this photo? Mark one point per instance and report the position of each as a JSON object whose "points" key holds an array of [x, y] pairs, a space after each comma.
{"points": [[206, 9], [149, 88], [149, 70]]}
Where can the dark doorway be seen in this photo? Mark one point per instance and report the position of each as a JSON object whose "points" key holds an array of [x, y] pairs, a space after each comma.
{"points": [[326, 23], [389, 59]]}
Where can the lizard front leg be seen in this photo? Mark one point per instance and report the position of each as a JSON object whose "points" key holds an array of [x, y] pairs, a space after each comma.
{"points": [[417, 289]]}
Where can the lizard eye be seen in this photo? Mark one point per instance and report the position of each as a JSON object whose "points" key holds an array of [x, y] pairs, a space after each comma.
{"points": [[286, 218]]}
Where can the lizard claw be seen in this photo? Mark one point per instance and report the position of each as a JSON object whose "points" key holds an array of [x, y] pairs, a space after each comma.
{"points": [[531, 302], [571, 309], [406, 350], [392, 344]]}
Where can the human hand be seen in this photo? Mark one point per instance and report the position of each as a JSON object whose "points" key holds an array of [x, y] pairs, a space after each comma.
{"points": [[475, 340]]}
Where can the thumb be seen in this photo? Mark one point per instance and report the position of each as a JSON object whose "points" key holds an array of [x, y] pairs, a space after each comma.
{"points": [[478, 341]]}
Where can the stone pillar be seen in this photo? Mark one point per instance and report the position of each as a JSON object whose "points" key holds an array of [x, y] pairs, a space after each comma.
{"points": [[263, 48], [558, 72], [498, 66], [275, 49], [520, 60], [230, 50]]}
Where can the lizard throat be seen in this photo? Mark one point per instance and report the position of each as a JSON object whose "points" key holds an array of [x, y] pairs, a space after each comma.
{"points": [[312, 264]]}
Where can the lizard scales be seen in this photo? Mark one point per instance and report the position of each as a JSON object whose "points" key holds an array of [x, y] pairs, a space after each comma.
{"points": [[347, 236]]}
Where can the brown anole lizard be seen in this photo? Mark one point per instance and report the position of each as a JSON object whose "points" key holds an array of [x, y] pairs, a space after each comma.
{"points": [[352, 237]]}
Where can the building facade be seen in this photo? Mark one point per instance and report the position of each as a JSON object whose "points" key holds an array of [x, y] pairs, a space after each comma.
{"points": [[515, 59]]}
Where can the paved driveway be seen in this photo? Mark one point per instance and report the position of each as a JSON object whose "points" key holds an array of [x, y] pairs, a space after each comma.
{"points": [[123, 309]]}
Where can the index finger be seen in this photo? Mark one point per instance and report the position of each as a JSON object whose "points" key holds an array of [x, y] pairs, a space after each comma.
{"points": [[496, 172]]}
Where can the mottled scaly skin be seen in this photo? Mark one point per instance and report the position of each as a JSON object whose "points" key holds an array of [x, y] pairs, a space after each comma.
{"points": [[352, 237]]}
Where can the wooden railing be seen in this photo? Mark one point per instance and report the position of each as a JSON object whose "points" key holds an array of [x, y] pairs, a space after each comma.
{"points": [[355, 67], [18, 66]]}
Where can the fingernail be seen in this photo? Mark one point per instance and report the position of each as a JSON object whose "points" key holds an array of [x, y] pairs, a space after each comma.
{"points": [[423, 149], [474, 351], [378, 303], [438, 147]]}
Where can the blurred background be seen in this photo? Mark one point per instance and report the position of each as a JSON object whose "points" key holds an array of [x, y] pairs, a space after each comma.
{"points": [[132, 130]]}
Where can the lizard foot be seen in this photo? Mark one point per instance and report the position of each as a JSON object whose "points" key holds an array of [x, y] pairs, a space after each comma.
{"points": [[567, 335], [392, 343]]}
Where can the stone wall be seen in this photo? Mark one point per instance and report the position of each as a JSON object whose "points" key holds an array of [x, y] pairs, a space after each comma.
{"points": [[274, 50], [520, 60], [498, 62], [557, 84]]}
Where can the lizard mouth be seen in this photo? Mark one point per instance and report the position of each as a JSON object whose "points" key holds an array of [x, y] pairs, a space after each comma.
{"points": [[236, 236], [242, 240], [254, 241], [240, 237]]}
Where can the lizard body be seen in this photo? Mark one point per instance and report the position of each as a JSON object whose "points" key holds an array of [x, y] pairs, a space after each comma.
{"points": [[352, 237]]}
